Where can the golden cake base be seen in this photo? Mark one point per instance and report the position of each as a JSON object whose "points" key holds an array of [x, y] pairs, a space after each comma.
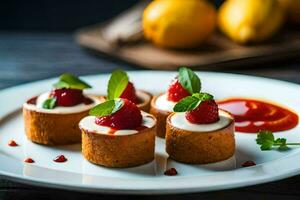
{"points": [[199, 147], [52, 129], [119, 151]]}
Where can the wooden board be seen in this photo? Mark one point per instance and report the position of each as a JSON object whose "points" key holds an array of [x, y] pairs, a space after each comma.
{"points": [[218, 52]]}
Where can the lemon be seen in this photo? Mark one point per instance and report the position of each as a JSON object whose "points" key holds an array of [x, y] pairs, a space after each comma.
{"points": [[249, 21], [179, 23]]}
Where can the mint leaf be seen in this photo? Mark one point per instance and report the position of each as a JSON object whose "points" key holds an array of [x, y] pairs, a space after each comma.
{"points": [[189, 80], [49, 103], [107, 108], [203, 96], [117, 84], [187, 104], [61, 84], [71, 81], [191, 102]]}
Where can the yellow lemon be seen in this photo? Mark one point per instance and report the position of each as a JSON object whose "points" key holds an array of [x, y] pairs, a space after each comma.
{"points": [[248, 21], [179, 23]]}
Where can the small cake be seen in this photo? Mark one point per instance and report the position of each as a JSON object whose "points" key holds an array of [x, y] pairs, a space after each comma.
{"points": [[52, 118], [119, 86], [117, 134], [199, 132], [185, 84]]}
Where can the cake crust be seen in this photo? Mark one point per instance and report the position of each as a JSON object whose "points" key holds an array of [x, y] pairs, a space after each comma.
{"points": [[52, 129], [199, 147], [161, 117], [145, 105], [119, 151]]}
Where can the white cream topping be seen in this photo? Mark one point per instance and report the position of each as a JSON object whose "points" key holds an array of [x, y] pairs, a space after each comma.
{"points": [[162, 103], [88, 124], [178, 120], [60, 109]]}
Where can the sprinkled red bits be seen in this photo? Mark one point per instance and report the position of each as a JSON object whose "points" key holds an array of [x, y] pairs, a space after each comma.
{"points": [[60, 159], [171, 172], [12, 143], [29, 160], [248, 163]]}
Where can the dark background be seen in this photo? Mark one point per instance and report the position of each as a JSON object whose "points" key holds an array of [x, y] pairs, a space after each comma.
{"points": [[58, 15]]}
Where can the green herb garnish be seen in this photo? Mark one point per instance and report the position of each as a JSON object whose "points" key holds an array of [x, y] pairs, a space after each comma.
{"points": [[107, 108], [267, 141], [71, 81], [189, 80], [191, 102], [49, 103], [117, 84]]}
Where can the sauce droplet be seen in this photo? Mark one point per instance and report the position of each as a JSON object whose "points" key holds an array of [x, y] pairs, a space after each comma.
{"points": [[252, 115], [29, 160], [171, 172], [12, 143], [112, 131], [248, 163], [60, 158]]}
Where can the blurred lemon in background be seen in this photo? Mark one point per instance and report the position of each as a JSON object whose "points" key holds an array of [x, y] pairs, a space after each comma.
{"points": [[292, 10], [249, 21], [179, 23]]}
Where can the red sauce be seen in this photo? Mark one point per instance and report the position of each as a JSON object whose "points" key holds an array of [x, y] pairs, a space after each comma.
{"points": [[171, 172], [12, 143], [87, 101], [32, 101], [60, 158], [29, 160], [252, 115], [248, 163], [112, 131]]}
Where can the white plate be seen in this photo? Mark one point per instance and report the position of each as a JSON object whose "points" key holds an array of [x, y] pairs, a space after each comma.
{"points": [[78, 174]]}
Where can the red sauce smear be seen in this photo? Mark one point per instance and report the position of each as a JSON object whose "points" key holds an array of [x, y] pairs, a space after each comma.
{"points": [[29, 160], [248, 163], [252, 115], [12, 143], [112, 131], [32, 100], [60, 159], [171, 172]]}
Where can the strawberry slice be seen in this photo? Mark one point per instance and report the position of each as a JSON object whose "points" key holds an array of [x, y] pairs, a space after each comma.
{"points": [[128, 117], [207, 112], [176, 92], [130, 93]]}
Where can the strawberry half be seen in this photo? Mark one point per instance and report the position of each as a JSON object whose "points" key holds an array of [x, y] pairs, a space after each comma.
{"points": [[176, 92], [128, 117], [67, 97], [207, 112], [130, 93]]}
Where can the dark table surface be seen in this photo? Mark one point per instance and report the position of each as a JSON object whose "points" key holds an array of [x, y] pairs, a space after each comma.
{"points": [[26, 57]]}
